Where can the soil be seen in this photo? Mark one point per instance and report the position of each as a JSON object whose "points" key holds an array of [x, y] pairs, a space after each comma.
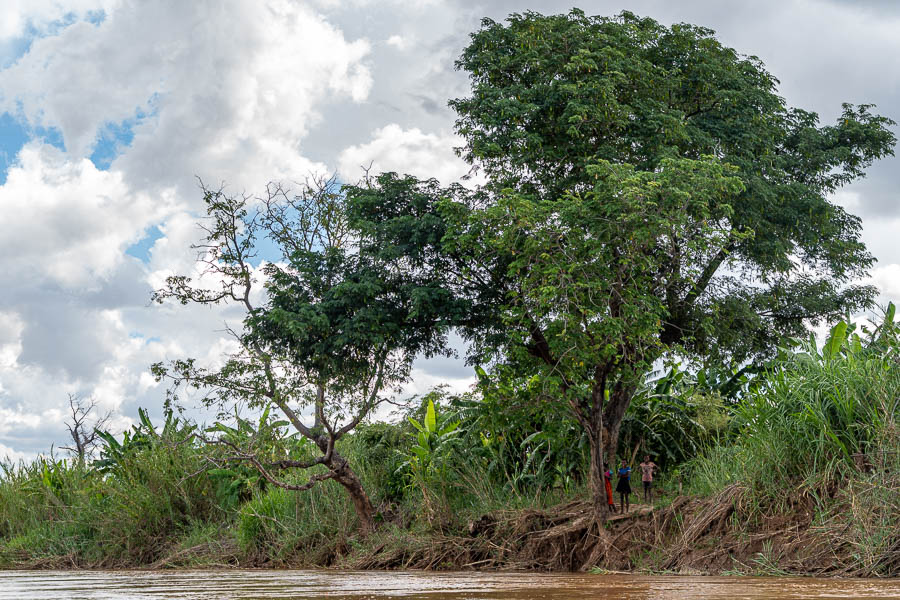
{"points": [[707, 536]]}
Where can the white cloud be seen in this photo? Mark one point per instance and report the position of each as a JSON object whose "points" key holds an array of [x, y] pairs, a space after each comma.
{"points": [[7, 454], [887, 278], [404, 5], [66, 220], [422, 381], [398, 41], [11, 327], [230, 88], [411, 151]]}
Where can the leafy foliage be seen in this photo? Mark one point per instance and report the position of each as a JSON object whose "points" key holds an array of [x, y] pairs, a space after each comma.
{"points": [[818, 415], [674, 419], [434, 436], [647, 192], [523, 439]]}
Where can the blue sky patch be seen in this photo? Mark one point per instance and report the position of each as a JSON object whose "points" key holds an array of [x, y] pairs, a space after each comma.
{"points": [[12, 137], [95, 16], [266, 250], [137, 335], [114, 138], [49, 135], [14, 134], [111, 141], [141, 250], [13, 49]]}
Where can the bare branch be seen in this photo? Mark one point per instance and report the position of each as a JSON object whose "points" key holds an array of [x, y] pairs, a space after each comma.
{"points": [[83, 430]]}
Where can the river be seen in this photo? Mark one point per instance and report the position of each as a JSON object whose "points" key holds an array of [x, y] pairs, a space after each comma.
{"points": [[339, 585]]}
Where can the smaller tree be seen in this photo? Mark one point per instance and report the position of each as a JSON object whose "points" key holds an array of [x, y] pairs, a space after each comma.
{"points": [[336, 330], [84, 428]]}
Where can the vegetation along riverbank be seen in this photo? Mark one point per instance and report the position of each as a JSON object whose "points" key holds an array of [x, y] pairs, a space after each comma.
{"points": [[637, 271], [800, 476]]}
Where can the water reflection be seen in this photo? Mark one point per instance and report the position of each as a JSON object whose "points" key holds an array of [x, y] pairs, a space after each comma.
{"points": [[247, 584]]}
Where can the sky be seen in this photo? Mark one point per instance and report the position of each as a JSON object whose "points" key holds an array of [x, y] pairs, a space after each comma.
{"points": [[110, 111]]}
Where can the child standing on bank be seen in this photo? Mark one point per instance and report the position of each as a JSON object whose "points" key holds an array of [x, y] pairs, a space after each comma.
{"points": [[607, 480], [647, 469], [624, 487]]}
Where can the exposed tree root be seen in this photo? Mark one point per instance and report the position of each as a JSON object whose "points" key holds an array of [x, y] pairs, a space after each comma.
{"points": [[698, 536]]}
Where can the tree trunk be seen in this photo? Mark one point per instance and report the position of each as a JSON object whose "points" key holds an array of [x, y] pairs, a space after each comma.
{"points": [[349, 480], [596, 479], [613, 414], [345, 476]]}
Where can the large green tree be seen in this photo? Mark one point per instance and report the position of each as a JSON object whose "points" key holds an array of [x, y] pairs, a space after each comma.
{"points": [[731, 238]]}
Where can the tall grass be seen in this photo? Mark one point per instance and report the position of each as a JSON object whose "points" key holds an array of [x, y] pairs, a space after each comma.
{"points": [[156, 498], [815, 424], [57, 511], [824, 427]]}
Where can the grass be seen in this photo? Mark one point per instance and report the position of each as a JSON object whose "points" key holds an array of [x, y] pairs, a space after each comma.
{"points": [[155, 505]]}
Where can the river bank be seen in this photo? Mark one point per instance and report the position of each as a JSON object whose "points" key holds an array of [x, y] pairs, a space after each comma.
{"points": [[802, 479], [678, 535], [689, 535]]}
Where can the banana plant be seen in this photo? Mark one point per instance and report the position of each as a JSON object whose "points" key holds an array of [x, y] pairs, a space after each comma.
{"points": [[845, 341], [141, 436], [434, 438]]}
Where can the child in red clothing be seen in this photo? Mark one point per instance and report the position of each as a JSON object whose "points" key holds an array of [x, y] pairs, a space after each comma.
{"points": [[607, 477]]}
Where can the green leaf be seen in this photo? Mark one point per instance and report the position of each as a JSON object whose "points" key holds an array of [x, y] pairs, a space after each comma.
{"points": [[835, 341], [449, 428], [430, 417]]}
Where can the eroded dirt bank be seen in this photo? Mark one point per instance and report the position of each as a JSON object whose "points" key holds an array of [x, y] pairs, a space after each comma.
{"points": [[700, 536], [696, 536]]}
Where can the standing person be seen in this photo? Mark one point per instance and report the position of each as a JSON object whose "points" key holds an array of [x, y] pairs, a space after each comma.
{"points": [[647, 469], [607, 479], [624, 487]]}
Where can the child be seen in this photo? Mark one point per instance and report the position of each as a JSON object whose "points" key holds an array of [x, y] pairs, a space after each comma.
{"points": [[607, 479], [647, 469], [624, 487]]}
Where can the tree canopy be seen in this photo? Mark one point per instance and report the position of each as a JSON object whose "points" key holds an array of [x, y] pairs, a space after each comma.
{"points": [[648, 191], [553, 94]]}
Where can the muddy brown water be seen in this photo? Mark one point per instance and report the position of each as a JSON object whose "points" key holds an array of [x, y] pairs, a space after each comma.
{"points": [[247, 584]]}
